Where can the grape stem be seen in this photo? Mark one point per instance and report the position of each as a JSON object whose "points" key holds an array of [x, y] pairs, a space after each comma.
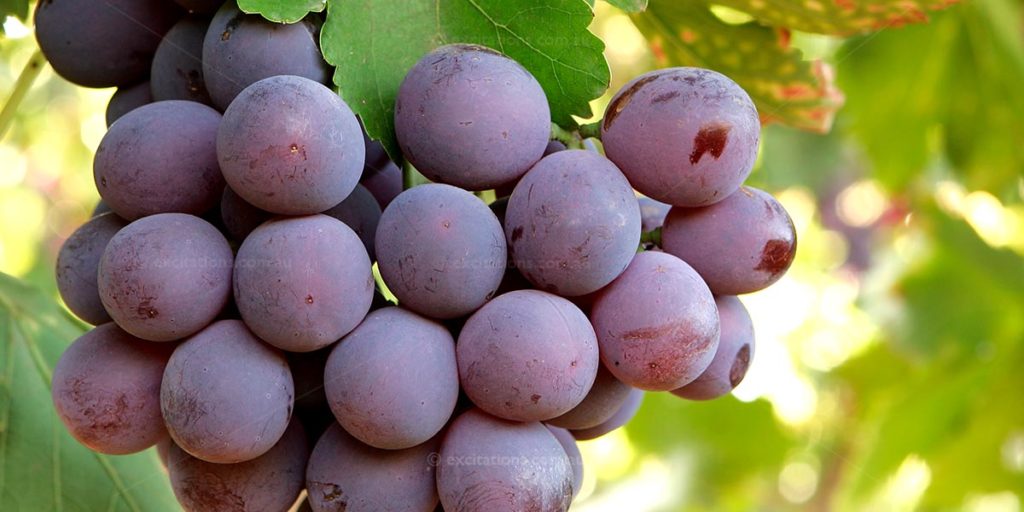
{"points": [[408, 176], [25, 80], [651, 237], [591, 130], [571, 139]]}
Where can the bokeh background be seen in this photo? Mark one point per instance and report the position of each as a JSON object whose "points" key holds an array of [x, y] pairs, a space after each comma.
{"points": [[888, 371]]}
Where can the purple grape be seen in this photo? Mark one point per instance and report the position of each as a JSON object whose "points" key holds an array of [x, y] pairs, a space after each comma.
{"points": [[308, 375], [605, 398], [345, 475], [226, 396], [269, 483], [385, 185], [657, 324], [106, 389], [102, 44], [683, 136], [469, 116], [619, 419], [740, 245], [440, 250], [126, 99], [527, 356], [491, 465], [391, 409], [735, 350], [242, 49], [165, 277], [163, 449], [239, 217], [177, 70], [302, 283], [652, 213], [376, 156], [360, 212], [100, 209], [160, 158], [290, 145], [568, 443], [573, 223], [78, 263], [200, 5]]}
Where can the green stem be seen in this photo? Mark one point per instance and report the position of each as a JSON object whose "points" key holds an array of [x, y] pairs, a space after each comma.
{"points": [[28, 76], [651, 237], [591, 130], [572, 140]]}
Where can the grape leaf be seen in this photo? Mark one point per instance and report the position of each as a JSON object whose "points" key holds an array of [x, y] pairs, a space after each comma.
{"points": [[17, 8], [41, 465], [373, 43], [282, 11], [784, 87], [838, 17], [629, 5]]}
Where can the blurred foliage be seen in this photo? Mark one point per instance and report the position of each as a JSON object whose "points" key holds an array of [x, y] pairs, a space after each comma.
{"points": [[886, 376]]}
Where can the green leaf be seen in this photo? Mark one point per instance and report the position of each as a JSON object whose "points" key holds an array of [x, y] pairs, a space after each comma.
{"points": [[282, 11], [41, 466], [373, 43], [784, 87], [838, 17], [17, 8], [630, 5]]}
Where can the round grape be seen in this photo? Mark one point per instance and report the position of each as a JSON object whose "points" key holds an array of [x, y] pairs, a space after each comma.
{"points": [[572, 450], [126, 99], [78, 264], [239, 217], [360, 212], [619, 419], [177, 70], [735, 351], [605, 398]]}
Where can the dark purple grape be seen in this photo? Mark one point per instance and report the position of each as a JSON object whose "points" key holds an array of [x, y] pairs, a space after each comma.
{"points": [[469, 116], [269, 483], [652, 213], [573, 223], [290, 145], [226, 396], [126, 99], [553, 147], [200, 5], [385, 185], [242, 49], [440, 250], [735, 351], [102, 44], [527, 356], [740, 245], [302, 283], [100, 209], [376, 157], [491, 465], [360, 212], [345, 475], [106, 389], [160, 158], [163, 449], [393, 382], [620, 418], [239, 217], [657, 323], [605, 398], [166, 276], [568, 443], [308, 375], [683, 136], [78, 263], [177, 70]]}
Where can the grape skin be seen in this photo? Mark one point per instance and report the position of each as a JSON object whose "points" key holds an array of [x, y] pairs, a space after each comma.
{"points": [[289, 145], [573, 223], [78, 264], [126, 99], [166, 276], [465, 96], [360, 212], [391, 409], [385, 185], [527, 356], [735, 351], [226, 396], [619, 419], [242, 49], [605, 398], [269, 483], [683, 136], [239, 217], [491, 465], [572, 450], [345, 475], [301, 283], [102, 44], [106, 390], [160, 158], [741, 245], [200, 5], [657, 324], [177, 69]]}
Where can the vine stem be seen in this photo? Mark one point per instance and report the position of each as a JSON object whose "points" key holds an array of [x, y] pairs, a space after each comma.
{"points": [[25, 80]]}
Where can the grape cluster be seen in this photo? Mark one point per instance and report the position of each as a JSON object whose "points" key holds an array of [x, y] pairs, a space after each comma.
{"points": [[229, 269]]}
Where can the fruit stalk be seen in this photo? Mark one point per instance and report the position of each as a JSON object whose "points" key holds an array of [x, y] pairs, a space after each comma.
{"points": [[25, 80]]}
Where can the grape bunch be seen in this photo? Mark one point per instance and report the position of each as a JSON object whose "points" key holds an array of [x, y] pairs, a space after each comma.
{"points": [[230, 267]]}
